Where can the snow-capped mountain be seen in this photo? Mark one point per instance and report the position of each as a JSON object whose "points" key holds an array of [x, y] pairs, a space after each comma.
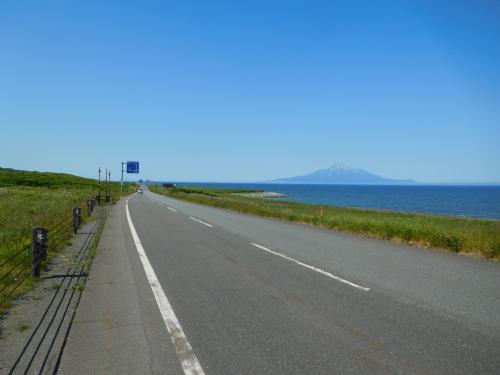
{"points": [[341, 174]]}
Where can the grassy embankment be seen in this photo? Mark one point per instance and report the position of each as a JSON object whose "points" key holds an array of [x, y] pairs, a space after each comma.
{"points": [[31, 199], [460, 235]]}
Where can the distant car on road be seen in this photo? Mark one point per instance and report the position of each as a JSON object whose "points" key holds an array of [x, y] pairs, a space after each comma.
{"points": [[139, 191]]}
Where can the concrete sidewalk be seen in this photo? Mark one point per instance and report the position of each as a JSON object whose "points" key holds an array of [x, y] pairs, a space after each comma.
{"points": [[118, 328]]}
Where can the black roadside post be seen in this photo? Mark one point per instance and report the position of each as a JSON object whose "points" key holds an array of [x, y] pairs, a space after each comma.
{"points": [[39, 242], [89, 207], [76, 218]]}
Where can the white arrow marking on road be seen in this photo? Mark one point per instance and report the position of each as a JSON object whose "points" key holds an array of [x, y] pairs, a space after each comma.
{"points": [[183, 348], [319, 270]]}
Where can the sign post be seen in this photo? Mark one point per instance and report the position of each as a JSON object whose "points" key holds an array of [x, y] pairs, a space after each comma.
{"points": [[132, 167], [121, 183]]}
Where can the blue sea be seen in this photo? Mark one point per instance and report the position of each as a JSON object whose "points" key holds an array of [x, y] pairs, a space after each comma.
{"points": [[472, 201]]}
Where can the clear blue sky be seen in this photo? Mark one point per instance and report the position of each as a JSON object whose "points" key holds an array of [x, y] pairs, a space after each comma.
{"points": [[252, 90]]}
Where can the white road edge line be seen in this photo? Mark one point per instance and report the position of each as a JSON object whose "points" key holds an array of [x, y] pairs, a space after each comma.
{"points": [[183, 348], [171, 209], [319, 270], [201, 222]]}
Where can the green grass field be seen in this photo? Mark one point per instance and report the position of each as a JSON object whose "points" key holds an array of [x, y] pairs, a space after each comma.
{"points": [[31, 199], [472, 236]]}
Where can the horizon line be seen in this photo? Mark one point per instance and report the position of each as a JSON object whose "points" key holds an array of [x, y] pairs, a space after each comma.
{"points": [[326, 184]]}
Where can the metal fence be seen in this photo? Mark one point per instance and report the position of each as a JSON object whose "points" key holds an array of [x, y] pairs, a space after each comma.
{"points": [[27, 261], [42, 352]]}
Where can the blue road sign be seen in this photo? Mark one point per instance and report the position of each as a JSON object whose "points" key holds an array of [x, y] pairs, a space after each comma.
{"points": [[132, 167]]}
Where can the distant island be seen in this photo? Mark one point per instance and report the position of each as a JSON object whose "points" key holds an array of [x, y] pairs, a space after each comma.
{"points": [[343, 175]]}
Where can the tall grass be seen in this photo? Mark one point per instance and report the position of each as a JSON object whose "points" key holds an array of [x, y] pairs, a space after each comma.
{"points": [[460, 235]]}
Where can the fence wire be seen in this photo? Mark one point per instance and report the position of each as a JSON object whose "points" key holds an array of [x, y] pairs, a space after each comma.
{"points": [[11, 269], [47, 331]]}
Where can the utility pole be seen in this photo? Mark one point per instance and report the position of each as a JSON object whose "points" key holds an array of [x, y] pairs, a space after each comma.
{"points": [[121, 184]]}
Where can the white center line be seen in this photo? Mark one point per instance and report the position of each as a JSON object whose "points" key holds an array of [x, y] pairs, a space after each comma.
{"points": [[171, 209], [183, 348], [319, 270], [201, 222]]}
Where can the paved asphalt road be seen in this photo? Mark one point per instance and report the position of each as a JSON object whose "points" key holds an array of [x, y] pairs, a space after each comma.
{"points": [[261, 296]]}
